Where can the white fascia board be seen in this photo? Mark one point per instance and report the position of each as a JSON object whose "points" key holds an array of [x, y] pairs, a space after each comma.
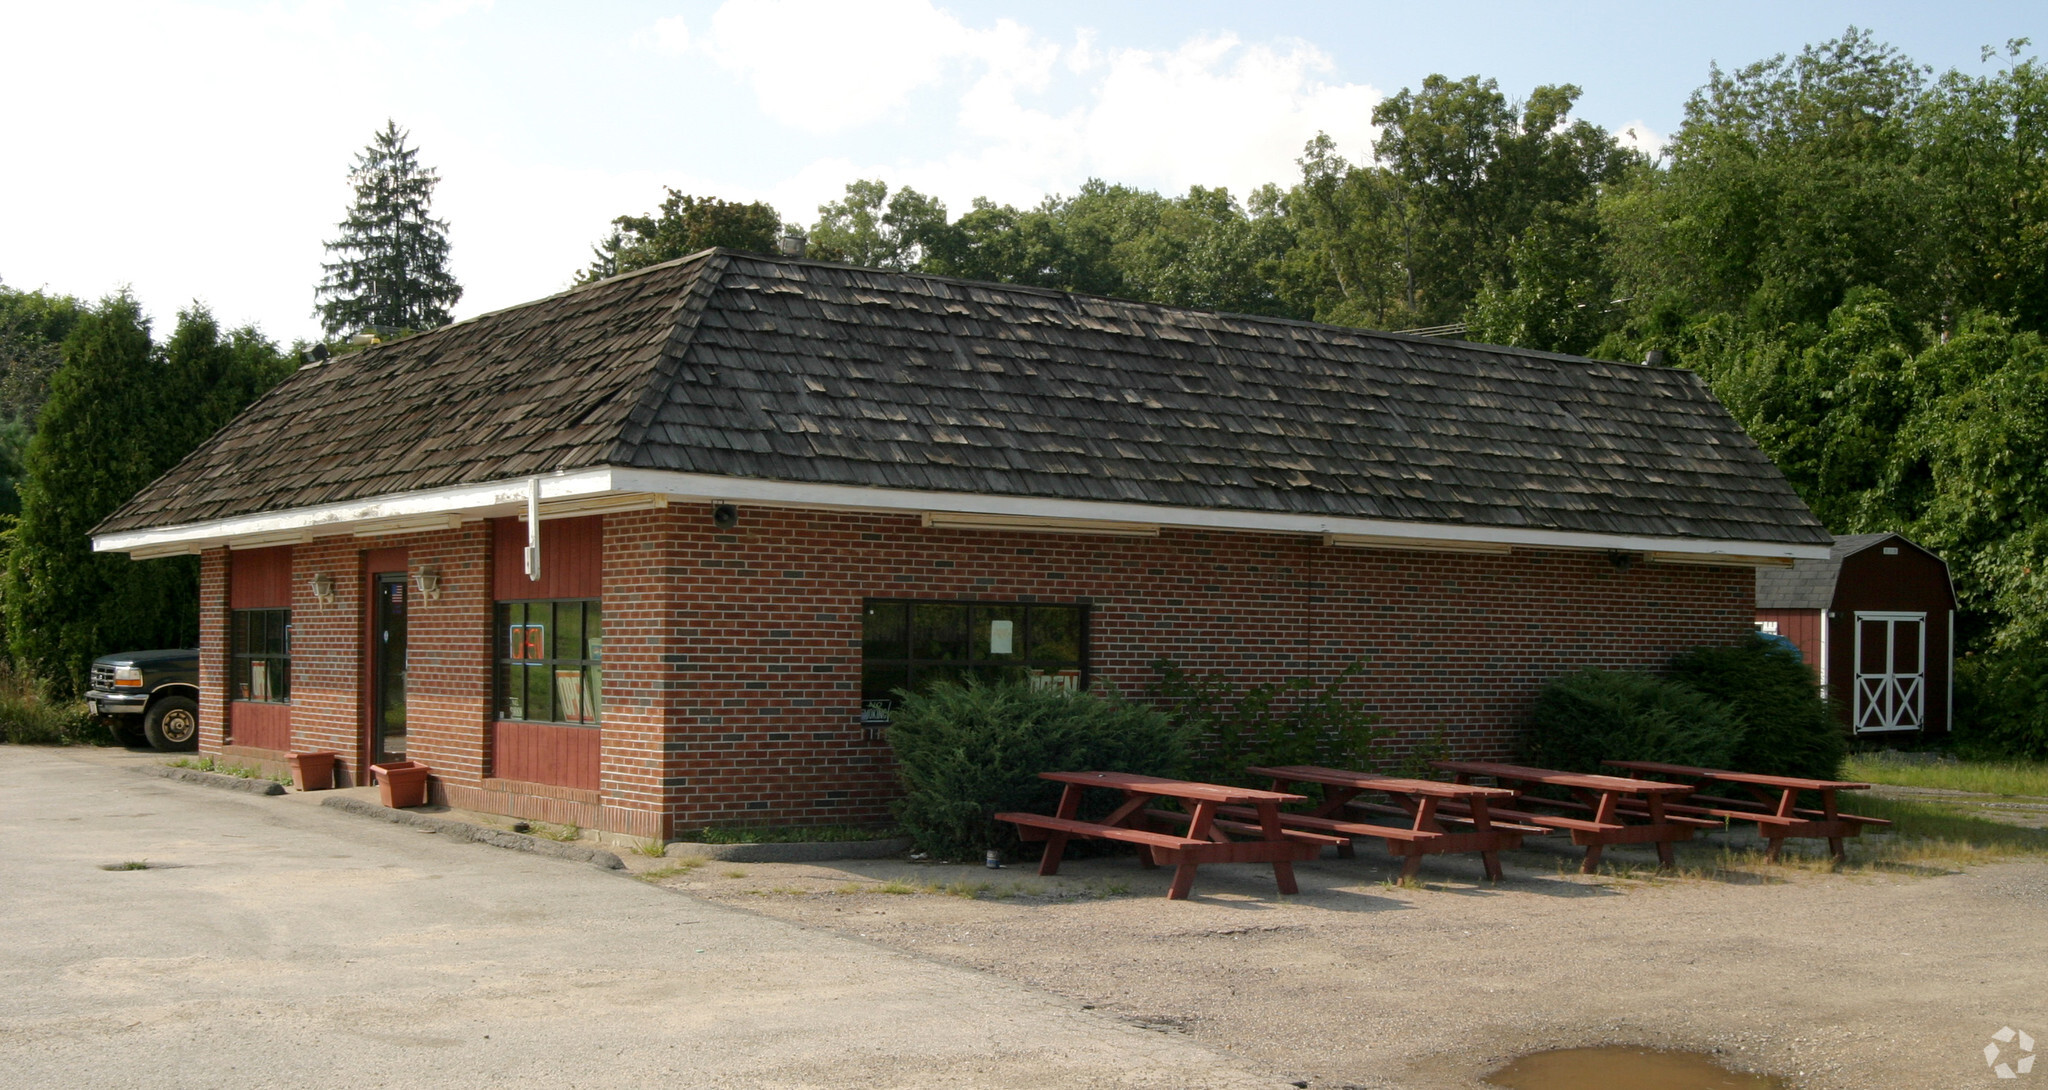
{"points": [[856, 498], [506, 496], [356, 516]]}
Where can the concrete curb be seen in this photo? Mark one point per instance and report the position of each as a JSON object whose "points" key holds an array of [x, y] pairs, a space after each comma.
{"points": [[212, 779], [808, 851], [480, 834]]}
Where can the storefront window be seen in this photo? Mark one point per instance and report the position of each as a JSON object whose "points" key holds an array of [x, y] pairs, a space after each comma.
{"points": [[260, 655], [549, 661], [913, 645]]}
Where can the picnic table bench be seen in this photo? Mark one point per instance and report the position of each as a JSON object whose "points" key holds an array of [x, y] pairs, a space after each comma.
{"points": [[1602, 795], [1204, 839], [1422, 802], [1773, 806]]}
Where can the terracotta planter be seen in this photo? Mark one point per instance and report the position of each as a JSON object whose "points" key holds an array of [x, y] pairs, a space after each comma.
{"points": [[402, 783], [312, 771]]}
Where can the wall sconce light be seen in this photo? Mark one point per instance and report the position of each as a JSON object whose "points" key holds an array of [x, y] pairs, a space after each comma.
{"points": [[428, 580], [323, 588]]}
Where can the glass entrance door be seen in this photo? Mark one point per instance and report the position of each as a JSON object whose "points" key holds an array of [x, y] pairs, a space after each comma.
{"points": [[387, 634]]}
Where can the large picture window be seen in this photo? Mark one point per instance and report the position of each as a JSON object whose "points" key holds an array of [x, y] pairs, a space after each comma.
{"points": [[260, 655], [912, 645], [550, 657]]}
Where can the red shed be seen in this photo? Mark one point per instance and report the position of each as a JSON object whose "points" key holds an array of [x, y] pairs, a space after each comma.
{"points": [[1877, 619]]}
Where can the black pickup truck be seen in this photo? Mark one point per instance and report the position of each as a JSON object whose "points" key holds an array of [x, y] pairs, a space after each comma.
{"points": [[148, 696]]}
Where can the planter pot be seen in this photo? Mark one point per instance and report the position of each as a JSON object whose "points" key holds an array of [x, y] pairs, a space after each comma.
{"points": [[402, 783], [312, 771]]}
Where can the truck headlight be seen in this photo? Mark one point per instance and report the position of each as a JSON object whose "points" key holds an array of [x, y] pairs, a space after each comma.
{"points": [[128, 676]]}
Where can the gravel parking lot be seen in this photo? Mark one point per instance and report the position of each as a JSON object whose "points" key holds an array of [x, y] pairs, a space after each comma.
{"points": [[1853, 981], [274, 943]]}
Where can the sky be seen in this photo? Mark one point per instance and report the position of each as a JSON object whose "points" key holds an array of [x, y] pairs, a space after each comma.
{"points": [[200, 151]]}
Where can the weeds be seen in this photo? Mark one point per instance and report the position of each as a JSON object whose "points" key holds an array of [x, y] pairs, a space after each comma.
{"points": [[563, 833], [735, 872], [652, 849], [675, 869], [221, 768], [28, 716]]}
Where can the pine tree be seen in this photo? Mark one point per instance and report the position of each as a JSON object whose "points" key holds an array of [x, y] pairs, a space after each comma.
{"points": [[121, 411], [392, 272]]}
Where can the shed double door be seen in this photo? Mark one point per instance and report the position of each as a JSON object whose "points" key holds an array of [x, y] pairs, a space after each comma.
{"points": [[1891, 671]]}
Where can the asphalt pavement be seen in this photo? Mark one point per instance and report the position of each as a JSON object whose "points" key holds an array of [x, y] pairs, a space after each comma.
{"points": [[271, 943]]}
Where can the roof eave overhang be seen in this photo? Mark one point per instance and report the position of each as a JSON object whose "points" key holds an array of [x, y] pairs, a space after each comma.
{"points": [[610, 488]]}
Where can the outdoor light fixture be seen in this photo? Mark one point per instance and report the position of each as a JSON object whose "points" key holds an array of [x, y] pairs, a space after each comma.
{"points": [[323, 588], [428, 580], [725, 516], [1622, 561]]}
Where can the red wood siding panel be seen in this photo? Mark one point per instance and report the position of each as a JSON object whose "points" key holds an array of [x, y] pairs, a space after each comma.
{"points": [[260, 578], [571, 559], [264, 726], [1802, 627], [546, 753], [383, 560]]}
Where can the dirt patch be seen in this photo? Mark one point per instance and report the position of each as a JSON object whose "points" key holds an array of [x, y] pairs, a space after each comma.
{"points": [[1852, 980]]}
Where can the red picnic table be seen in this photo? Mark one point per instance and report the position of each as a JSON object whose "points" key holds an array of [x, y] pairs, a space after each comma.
{"points": [[1205, 840], [1421, 801], [1603, 796], [1774, 806]]}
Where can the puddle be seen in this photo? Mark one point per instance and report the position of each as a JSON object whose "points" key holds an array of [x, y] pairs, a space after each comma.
{"points": [[1617, 1067]]}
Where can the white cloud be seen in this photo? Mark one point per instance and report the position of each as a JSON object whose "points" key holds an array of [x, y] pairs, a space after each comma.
{"points": [[670, 36], [1639, 136], [435, 13], [824, 66]]}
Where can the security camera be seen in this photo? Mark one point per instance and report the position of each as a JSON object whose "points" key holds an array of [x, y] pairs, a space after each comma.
{"points": [[725, 516]]}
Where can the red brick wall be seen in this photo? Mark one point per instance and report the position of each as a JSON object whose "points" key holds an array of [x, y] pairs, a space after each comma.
{"points": [[213, 650], [732, 657]]}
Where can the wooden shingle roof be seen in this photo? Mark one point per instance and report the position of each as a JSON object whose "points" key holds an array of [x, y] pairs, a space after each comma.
{"points": [[789, 370]]}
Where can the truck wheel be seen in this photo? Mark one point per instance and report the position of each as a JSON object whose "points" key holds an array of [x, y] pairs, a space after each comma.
{"points": [[172, 724]]}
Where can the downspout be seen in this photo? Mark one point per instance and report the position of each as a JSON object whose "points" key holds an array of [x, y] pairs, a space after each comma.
{"points": [[533, 529]]}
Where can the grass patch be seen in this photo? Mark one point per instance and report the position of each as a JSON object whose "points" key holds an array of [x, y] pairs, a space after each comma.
{"points": [[786, 834], [652, 849], [1981, 777], [676, 869], [735, 872], [222, 768]]}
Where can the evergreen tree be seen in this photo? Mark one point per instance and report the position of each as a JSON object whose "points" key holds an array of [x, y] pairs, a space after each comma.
{"points": [[120, 412], [392, 273]]}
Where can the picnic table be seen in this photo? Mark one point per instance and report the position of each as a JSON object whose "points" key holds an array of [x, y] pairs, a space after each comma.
{"points": [[1204, 835], [1773, 805], [1601, 796], [1422, 802]]}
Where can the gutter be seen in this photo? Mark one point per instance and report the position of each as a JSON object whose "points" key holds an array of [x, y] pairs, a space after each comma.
{"points": [[609, 488]]}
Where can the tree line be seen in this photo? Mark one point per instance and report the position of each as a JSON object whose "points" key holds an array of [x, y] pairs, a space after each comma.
{"points": [[1849, 247]]}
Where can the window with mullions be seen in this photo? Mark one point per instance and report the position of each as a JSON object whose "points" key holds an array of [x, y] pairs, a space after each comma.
{"points": [[260, 655], [550, 657], [912, 645]]}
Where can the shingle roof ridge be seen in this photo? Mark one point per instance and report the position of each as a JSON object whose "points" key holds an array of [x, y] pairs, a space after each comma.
{"points": [[1120, 300], [1850, 544]]}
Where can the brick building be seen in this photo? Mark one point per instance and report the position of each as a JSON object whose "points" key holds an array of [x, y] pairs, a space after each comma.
{"points": [[653, 553]]}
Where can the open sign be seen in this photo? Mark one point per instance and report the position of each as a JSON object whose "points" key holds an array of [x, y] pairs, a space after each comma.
{"points": [[529, 641]]}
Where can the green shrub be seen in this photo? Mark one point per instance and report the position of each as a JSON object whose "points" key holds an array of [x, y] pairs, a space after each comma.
{"points": [[967, 752], [1266, 724], [1787, 729], [28, 716], [1595, 715], [2002, 704]]}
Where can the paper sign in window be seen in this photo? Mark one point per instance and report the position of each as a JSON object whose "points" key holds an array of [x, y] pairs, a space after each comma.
{"points": [[1001, 635]]}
